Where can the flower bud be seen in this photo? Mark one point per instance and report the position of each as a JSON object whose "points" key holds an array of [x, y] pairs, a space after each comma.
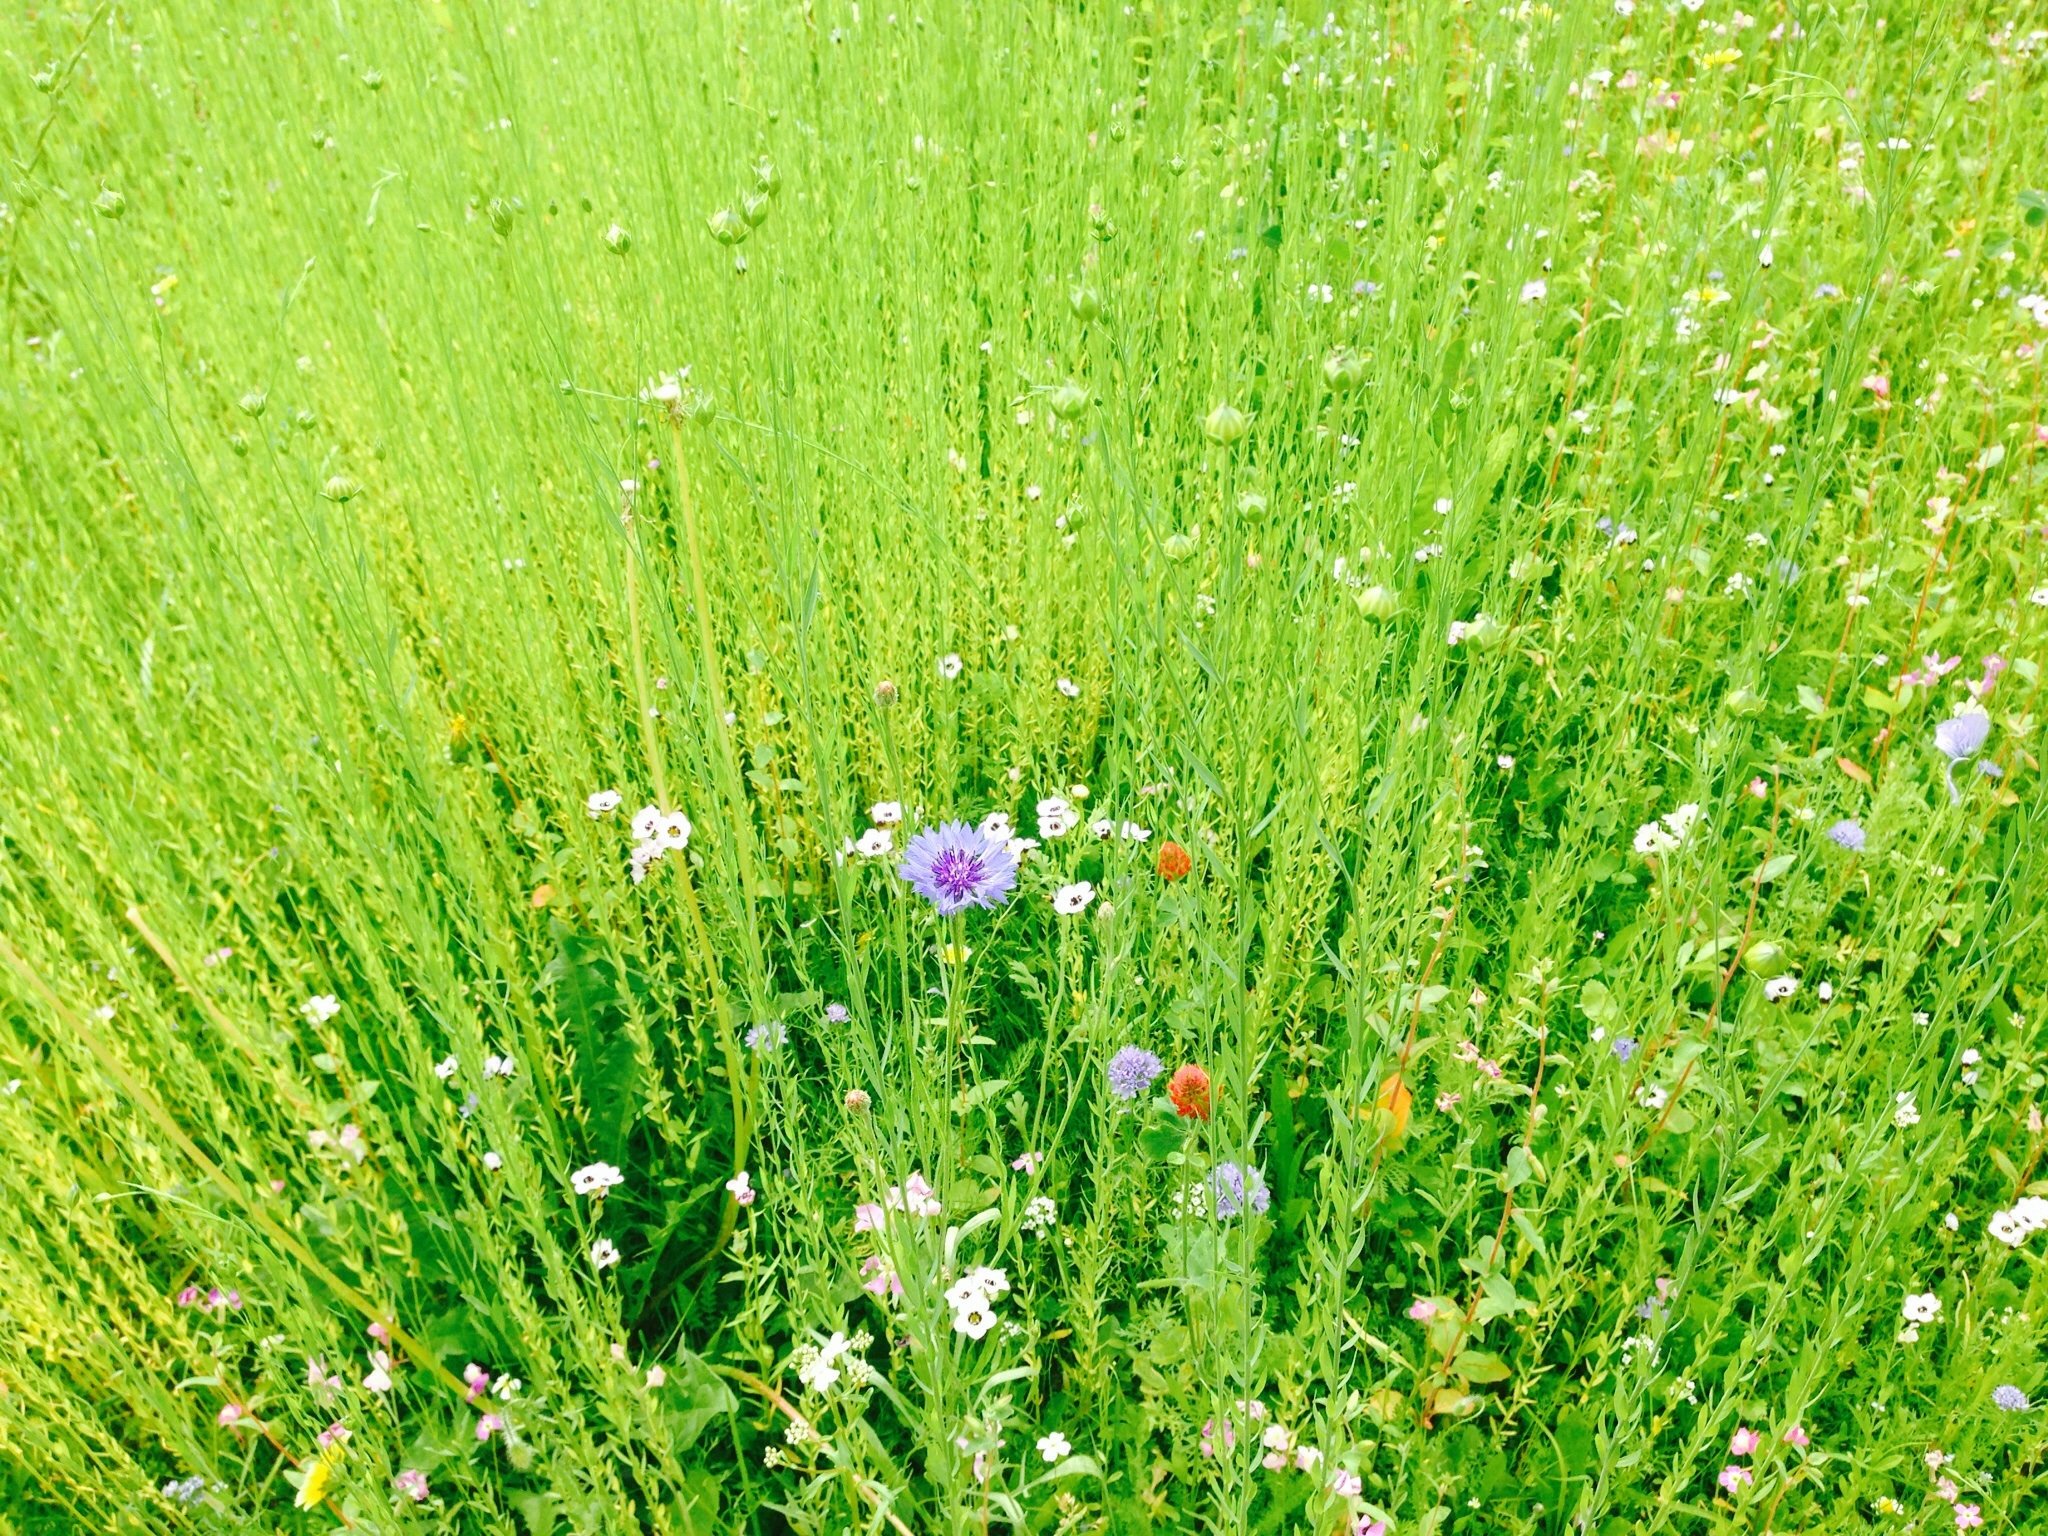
{"points": [[1226, 424], [1068, 400], [109, 204], [617, 240], [373, 79], [728, 228], [1376, 602], [885, 693], [1087, 303], [1344, 370], [766, 177], [340, 488], [754, 208], [254, 402], [500, 213]]}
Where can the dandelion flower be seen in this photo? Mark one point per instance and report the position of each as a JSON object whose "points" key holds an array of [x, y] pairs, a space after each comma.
{"points": [[955, 867]]}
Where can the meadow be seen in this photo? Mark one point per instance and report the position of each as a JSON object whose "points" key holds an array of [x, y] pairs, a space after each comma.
{"points": [[793, 766]]}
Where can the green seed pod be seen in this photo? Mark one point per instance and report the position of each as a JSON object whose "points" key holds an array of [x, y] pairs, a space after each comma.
{"points": [[766, 177], [754, 208], [1176, 166], [1344, 370], [1068, 400], [727, 227], [304, 419], [500, 213], [254, 402], [1087, 303], [617, 241], [1376, 602], [1226, 424], [1180, 546], [340, 488], [109, 204], [1762, 957]]}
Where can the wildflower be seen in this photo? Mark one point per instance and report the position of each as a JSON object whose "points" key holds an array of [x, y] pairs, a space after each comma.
{"points": [[1534, 290], [1072, 900], [493, 1161], [1796, 1437], [820, 1370], [2009, 1398], [230, 1415], [878, 1278], [1668, 833], [1055, 1446], [1968, 1517], [972, 1298], [769, 1035], [319, 1477], [1905, 1112], [596, 1179], [656, 1377], [1040, 1216], [875, 843], [856, 1100], [1744, 1442], [1234, 1188], [1132, 1070], [379, 1379], [868, 1217], [740, 1188], [835, 1013], [1733, 1478], [1624, 1047], [1174, 862], [955, 867], [499, 1066], [1923, 1308], [1959, 738], [603, 1254], [1056, 818], [318, 1010], [1778, 988], [1068, 687], [1847, 834], [446, 1068], [1028, 1162], [489, 1425], [412, 1484], [1189, 1091], [1421, 1309], [996, 827], [950, 665], [913, 1195], [603, 803], [477, 1379], [1346, 1484], [886, 813]]}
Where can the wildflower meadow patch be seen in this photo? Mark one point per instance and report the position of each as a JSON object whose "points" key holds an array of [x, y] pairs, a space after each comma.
{"points": [[834, 767]]}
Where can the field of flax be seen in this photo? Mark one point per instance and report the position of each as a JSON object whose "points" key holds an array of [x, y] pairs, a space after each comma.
{"points": [[794, 766]]}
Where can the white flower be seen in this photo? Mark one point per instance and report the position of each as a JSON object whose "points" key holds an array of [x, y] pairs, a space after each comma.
{"points": [[595, 1179], [1651, 1097], [913, 1195], [1041, 1215], [949, 665], [1069, 687], [1534, 289], [446, 1068], [645, 820], [379, 1379], [1055, 1446], [1072, 900], [740, 1188], [1904, 1111], [1056, 818], [671, 832], [320, 1009], [874, 843], [1924, 1308], [603, 1254], [1102, 826], [821, 1371], [603, 803], [2007, 1229], [996, 827], [974, 1318], [499, 1066], [645, 854], [886, 813], [1778, 988], [494, 1161]]}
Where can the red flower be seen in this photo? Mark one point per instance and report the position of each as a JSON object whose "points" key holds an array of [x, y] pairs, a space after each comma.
{"points": [[1174, 862], [1189, 1091]]}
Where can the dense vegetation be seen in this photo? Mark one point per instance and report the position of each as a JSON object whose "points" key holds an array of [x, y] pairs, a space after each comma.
{"points": [[1337, 715]]}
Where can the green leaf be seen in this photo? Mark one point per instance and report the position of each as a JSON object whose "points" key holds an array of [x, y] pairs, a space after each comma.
{"points": [[1476, 1365]]}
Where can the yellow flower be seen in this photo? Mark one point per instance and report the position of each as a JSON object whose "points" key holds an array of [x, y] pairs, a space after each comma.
{"points": [[319, 1477]]}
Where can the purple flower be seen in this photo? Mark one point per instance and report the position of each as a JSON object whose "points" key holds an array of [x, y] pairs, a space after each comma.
{"points": [[955, 867], [835, 1013], [1624, 1047], [1132, 1070], [2010, 1398], [1959, 738], [1847, 834], [1234, 1188]]}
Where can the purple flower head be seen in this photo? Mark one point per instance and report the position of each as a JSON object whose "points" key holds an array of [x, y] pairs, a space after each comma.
{"points": [[1132, 1070], [1234, 1188], [2010, 1398], [1624, 1047], [956, 866], [835, 1013], [1959, 738], [1847, 834]]}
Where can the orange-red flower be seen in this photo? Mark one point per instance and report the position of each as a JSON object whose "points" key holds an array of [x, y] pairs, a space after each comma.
{"points": [[1189, 1091], [1174, 862]]}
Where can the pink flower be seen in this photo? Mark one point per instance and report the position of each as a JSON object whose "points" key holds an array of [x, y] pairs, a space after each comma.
{"points": [[1878, 385], [867, 1217], [379, 1332], [1422, 1309], [229, 1416], [1028, 1163], [1968, 1515], [1797, 1437], [1734, 1478], [478, 1378], [189, 1297], [1367, 1527], [880, 1277], [1946, 1490], [1744, 1442], [412, 1483], [488, 1425], [334, 1434], [1346, 1484]]}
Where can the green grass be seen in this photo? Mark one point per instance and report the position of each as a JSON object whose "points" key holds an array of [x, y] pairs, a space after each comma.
{"points": [[1619, 413]]}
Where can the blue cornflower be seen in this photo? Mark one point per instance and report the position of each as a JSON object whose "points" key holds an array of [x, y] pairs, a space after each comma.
{"points": [[956, 866], [1847, 834], [1624, 1047], [1234, 1188], [2010, 1398], [1132, 1070]]}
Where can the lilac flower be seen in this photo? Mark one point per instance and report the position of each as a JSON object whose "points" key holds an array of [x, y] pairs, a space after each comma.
{"points": [[956, 866], [1624, 1047], [768, 1036], [835, 1013], [1847, 834], [2010, 1398], [1235, 1187], [1959, 738], [1132, 1070]]}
